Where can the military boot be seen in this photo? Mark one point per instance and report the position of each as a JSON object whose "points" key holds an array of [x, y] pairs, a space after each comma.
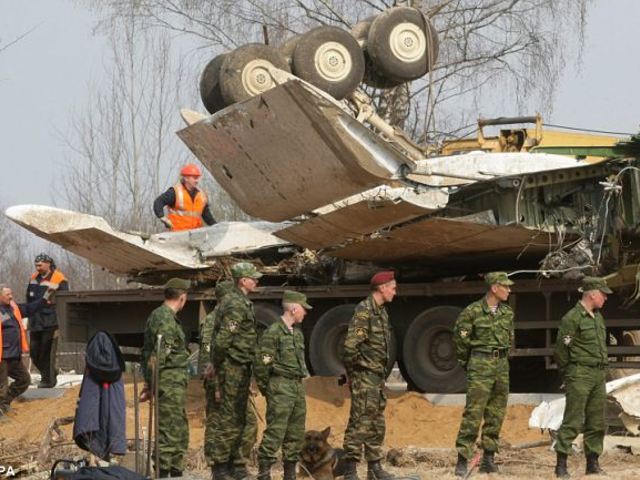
{"points": [[561, 465], [175, 473], [487, 465], [351, 470], [461, 466], [221, 471], [593, 467], [240, 472], [264, 471], [290, 470], [164, 473], [376, 472]]}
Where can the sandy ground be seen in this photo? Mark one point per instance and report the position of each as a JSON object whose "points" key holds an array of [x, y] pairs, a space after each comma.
{"points": [[420, 436]]}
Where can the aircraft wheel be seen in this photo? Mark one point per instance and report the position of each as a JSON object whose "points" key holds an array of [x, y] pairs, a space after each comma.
{"points": [[428, 352], [330, 59], [371, 77], [402, 44], [245, 71], [327, 341], [210, 85]]}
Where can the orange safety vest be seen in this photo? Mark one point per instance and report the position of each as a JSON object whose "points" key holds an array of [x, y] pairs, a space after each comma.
{"points": [[186, 214], [23, 335], [54, 282]]}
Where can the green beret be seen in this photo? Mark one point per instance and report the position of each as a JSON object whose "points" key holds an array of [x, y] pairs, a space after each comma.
{"points": [[289, 296], [245, 269], [501, 278], [594, 283], [178, 283], [223, 287]]}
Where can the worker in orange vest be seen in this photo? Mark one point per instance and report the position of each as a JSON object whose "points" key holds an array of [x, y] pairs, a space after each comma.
{"points": [[187, 205], [13, 343]]}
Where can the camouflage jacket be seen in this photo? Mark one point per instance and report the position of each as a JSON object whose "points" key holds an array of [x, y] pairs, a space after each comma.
{"points": [[206, 339], [582, 339], [173, 346], [234, 337], [366, 346], [478, 329], [280, 353]]}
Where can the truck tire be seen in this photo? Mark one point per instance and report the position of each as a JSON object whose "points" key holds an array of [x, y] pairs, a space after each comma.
{"points": [[428, 353], [244, 72], [402, 44], [210, 93], [266, 314], [331, 59], [360, 31], [327, 341]]}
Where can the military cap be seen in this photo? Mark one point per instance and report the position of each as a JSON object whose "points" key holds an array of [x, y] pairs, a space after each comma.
{"points": [[245, 269], [381, 278], [501, 278], [223, 287], [289, 296], [594, 283], [178, 283]]}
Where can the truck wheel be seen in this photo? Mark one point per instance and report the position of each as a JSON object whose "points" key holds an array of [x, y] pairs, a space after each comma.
{"points": [[402, 44], [245, 71], [210, 85], [327, 341], [266, 314], [629, 339], [428, 353], [330, 59]]}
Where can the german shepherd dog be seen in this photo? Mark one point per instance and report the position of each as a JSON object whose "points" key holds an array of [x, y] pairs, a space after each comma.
{"points": [[319, 459]]}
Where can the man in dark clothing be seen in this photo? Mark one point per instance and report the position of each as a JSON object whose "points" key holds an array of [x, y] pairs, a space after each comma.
{"points": [[13, 343], [187, 205], [43, 323]]}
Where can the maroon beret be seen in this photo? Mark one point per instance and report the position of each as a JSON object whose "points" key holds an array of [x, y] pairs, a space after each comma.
{"points": [[382, 277]]}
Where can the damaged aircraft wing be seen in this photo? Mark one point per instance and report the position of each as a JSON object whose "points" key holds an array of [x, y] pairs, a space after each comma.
{"points": [[123, 253]]}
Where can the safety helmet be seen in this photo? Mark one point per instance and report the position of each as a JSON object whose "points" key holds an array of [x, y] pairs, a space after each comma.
{"points": [[190, 170]]}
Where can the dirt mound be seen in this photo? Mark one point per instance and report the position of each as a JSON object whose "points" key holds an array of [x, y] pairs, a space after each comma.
{"points": [[411, 419]]}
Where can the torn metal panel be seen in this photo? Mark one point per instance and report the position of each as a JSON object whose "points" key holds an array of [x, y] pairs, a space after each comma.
{"points": [[468, 168], [441, 239], [122, 253], [363, 214], [287, 152]]}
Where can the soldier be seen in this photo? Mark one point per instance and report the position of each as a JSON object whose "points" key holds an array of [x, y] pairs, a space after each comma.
{"points": [[366, 354], [209, 328], [581, 355], [165, 348], [483, 335], [232, 354], [279, 370]]}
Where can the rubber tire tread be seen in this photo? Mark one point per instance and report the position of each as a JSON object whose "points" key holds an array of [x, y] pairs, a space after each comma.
{"points": [[210, 93], [304, 64]]}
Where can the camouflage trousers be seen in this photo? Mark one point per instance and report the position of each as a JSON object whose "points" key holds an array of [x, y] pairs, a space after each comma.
{"points": [[173, 427], [487, 396], [584, 410], [286, 414], [227, 432], [366, 425], [249, 434]]}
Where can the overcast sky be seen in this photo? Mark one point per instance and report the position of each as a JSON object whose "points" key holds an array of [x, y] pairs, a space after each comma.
{"points": [[45, 77]]}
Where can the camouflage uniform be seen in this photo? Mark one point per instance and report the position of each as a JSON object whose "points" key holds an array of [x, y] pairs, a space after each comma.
{"points": [[173, 434], [482, 340], [209, 327], [279, 370], [366, 354], [234, 346], [581, 355]]}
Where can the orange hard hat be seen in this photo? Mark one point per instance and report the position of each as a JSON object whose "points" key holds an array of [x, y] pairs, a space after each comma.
{"points": [[191, 170]]}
